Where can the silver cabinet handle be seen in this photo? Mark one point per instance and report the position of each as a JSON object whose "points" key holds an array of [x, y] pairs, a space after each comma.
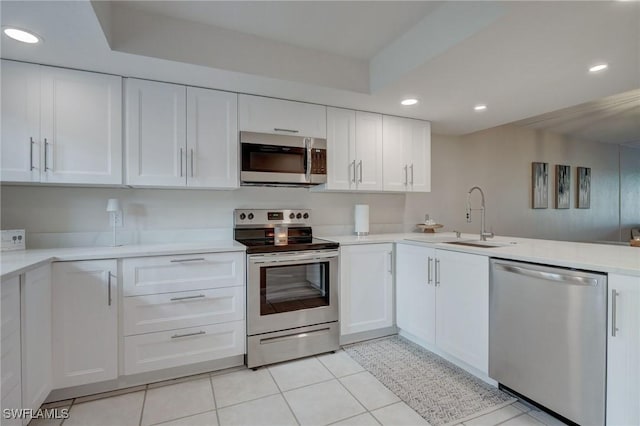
{"points": [[406, 178], [192, 259], [175, 299], [391, 262], [614, 312], [109, 290], [277, 129], [191, 162], [353, 165], [197, 333], [180, 162], [437, 272], [31, 142], [411, 174], [360, 171], [429, 260], [46, 144]]}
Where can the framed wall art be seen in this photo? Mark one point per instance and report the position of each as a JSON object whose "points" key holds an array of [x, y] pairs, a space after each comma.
{"points": [[563, 186], [540, 185], [584, 188]]}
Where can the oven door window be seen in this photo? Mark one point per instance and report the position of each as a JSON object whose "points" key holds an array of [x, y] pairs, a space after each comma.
{"points": [[293, 287], [275, 159]]}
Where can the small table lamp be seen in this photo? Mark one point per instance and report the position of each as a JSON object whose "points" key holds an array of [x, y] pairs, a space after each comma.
{"points": [[113, 207]]}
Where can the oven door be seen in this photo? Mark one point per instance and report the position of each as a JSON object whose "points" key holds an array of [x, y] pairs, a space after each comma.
{"points": [[288, 290]]}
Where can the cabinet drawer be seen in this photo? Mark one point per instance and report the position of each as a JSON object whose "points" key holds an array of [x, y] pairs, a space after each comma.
{"points": [[161, 312], [166, 349], [167, 274]]}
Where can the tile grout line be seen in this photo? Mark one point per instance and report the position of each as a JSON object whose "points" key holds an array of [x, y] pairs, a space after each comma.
{"points": [[144, 402], [181, 418], [73, 400], [215, 402], [284, 397]]}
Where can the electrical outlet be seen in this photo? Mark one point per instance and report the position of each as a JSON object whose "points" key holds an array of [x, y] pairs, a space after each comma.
{"points": [[13, 239], [117, 219]]}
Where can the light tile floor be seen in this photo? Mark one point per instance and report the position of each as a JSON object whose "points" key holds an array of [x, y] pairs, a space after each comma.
{"points": [[322, 390]]}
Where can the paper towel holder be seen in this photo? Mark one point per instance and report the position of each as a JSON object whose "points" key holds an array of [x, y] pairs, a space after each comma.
{"points": [[361, 219]]}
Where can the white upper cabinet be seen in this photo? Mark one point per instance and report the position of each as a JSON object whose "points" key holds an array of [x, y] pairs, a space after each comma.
{"points": [[60, 126], [156, 136], [20, 122], [341, 149], [212, 139], [354, 145], [268, 115], [407, 154], [178, 136]]}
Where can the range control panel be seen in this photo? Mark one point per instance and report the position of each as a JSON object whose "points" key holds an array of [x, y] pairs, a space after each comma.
{"points": [[267, 217]]}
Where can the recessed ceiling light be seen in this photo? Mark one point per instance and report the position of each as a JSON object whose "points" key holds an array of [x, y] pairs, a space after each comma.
{"points": [[409, 101], [21, 35], [480, 107], [599, 67]]}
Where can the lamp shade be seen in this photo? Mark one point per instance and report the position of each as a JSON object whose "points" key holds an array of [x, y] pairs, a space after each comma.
{"points": [[113, 205]]}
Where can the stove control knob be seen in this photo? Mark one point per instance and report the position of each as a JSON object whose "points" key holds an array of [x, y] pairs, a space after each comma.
{"points": [[306, 215], [250, 216], [292, 216], [243, 216], [299, 215]]}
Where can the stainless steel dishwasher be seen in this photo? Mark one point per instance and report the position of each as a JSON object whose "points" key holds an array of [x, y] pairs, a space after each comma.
{"points": [[548, 337]]}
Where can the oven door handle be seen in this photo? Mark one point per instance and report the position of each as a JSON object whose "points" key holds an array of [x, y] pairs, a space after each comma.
{"points": [[290, 259]]}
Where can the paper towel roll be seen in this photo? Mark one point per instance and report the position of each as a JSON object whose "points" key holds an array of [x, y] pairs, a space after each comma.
{"points": [[361, 213]]}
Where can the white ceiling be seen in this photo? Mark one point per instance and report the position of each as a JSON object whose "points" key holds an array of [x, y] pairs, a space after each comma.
{"points": [[522, 58]]}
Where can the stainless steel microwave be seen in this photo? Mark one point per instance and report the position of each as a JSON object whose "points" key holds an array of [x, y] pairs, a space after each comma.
{"points": [[282, 160]]}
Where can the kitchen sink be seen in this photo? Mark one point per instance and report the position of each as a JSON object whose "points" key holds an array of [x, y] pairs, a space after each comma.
{"points": [[480, 244]]}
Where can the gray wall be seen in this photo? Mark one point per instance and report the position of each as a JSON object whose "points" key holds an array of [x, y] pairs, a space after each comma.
{"points": [[499, 161]]}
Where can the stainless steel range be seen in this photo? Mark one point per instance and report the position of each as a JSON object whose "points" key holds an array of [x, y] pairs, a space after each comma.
{"points": [[292, 292]]}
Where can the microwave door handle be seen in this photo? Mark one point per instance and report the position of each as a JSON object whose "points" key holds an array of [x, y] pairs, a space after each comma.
{"points": [[307, 146]]}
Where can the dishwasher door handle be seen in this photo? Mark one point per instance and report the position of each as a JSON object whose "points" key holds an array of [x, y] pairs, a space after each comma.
{"points": [[549, 276]]}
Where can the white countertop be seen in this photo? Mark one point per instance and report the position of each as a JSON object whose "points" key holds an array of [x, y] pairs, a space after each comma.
{"points": [[16, 262], [616, 259]]}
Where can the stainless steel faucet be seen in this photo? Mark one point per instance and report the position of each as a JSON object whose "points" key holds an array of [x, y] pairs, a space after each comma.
{"points": [[483, 233]]}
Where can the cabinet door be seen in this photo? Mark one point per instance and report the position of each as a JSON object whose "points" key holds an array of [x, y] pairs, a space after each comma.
{"points": [[155, 121], [10, 340], [212, 139], [396, 144], [623, 351], [20, 130], [82, 126], [341, 148], [419, 158], [416, 292], [366, 287], [85, 322], [462, 307], [268, 115], [368, 151], [36, 336]]}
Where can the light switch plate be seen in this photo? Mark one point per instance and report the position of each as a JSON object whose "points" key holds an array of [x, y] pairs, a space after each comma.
{"points": [[13, 239]]}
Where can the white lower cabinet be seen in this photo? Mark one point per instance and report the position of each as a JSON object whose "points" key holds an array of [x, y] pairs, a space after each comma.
{"points": [[180, 310], [173, 348], [442, 299], [623, 352], [10, 366], [85, 322], [36, 336], [366, 288]]}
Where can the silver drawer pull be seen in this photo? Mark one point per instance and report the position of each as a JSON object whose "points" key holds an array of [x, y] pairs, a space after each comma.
{"points": [[173, 299], [193, 259], [276, 129], [197, 333], [614, 312]]}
